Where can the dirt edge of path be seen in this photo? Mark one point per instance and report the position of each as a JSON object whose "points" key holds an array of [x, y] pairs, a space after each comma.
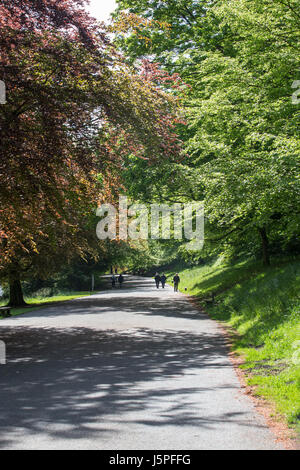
{"points": [[284, 435]]}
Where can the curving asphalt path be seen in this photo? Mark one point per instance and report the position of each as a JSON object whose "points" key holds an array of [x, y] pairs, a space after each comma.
{"points": [[135, 368]]}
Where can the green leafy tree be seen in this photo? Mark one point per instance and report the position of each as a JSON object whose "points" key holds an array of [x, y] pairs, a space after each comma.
{"points": [[240, 59], [69, 93]]}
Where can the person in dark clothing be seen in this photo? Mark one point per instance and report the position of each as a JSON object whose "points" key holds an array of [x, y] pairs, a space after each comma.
{"points": [[176, 280], [120, 280], [163, 281], [113, 281], [157, 280]]}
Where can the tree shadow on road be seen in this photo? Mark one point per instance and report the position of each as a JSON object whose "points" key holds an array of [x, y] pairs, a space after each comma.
{"points": [[78, 383], [142, 305]]}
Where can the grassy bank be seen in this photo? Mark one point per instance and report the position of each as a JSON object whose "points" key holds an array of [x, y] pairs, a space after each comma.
{"points": [[35, 303], [263, 307]]}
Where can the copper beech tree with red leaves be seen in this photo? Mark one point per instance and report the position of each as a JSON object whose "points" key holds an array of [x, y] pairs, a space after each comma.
{"points": [[69, 93]]}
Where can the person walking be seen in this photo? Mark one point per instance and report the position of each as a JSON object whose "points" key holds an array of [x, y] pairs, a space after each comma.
{"points": [[163, 281], [176, 280], [120, 280], [157, 280], [113, 281]]}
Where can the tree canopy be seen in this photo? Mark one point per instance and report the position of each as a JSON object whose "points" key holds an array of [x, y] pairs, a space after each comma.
{"points": [[70, 96], [240, 59], [186, 101]]}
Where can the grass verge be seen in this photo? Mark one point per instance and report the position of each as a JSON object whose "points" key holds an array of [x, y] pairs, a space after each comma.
{"points": [[35, 303]]}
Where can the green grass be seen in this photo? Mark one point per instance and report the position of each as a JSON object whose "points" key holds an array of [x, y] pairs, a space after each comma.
{"points": [[35, 303], [263, 307]]}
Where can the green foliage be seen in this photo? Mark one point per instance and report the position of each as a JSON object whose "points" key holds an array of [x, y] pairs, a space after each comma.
{"points": [[245, 127], [240, 59], [190, 25]]}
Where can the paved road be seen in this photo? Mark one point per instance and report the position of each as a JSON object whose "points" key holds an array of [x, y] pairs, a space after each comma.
{"points": [[127, 369]]}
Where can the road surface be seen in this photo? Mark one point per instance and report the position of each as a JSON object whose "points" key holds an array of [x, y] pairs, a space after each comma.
{"points": [[135, 368]]}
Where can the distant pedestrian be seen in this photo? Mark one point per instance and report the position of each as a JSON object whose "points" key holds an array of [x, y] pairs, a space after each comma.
{"points": [[157, 280], [120, 280], [163, 281], [116, 271], [176, 280], [113, 281]]}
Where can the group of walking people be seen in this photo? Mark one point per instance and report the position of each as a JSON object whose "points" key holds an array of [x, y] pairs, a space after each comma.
{"points": [[117, 279], [159, 279], [163, 279]]}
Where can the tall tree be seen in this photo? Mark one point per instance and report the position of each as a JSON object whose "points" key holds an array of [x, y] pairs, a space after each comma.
{"points": [[67, 90], [240, 59]]}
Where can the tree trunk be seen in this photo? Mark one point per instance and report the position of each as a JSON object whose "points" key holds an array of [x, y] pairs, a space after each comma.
{"points": [[16, 298], [265, 246]]}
